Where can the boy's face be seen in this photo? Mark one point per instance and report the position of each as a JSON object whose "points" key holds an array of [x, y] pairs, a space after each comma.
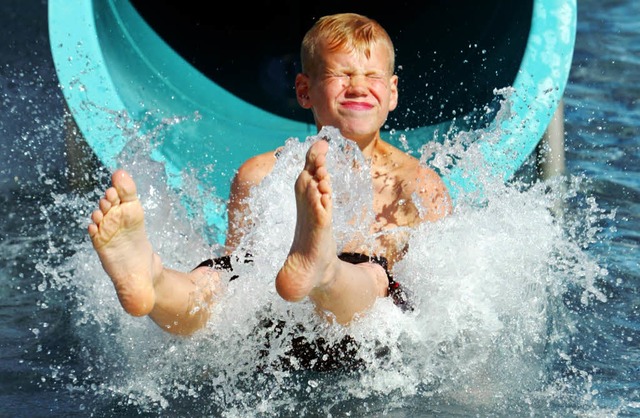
{"points": [[350, 91]]}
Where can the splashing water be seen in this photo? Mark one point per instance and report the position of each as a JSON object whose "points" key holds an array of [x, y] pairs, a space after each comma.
{"points": [[495, 288]]}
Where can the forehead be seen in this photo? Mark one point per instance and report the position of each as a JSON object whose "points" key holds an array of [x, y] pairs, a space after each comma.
{"points": [[377, 56]]}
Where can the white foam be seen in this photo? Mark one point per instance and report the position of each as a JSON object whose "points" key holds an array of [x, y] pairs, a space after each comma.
{"points": [[487, 284]]}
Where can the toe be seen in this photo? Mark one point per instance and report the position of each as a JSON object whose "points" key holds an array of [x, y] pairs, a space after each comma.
{"points": [[97, 217], [105, 205], [111, 195], [92, 229], [124, 185]]}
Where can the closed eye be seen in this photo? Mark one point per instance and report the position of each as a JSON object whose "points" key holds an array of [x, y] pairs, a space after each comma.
{"points": [[349, 76]]}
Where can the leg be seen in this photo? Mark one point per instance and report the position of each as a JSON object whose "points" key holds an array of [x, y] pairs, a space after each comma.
{"points": [[143, 285], [312, 267]]}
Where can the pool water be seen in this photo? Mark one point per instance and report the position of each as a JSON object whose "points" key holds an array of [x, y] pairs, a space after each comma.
{"points": [[528, 305]]}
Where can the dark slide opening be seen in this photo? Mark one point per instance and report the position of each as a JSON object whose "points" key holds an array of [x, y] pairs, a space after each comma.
{"points": [[450, 55]]}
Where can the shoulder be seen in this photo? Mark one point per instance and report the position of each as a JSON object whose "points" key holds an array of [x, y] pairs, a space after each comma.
{"points": [[249, 174], [433, 193], [256, 168], [426, 185]]}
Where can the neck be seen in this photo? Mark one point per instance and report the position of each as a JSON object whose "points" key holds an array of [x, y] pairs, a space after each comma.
{"points": [[369, 145]]}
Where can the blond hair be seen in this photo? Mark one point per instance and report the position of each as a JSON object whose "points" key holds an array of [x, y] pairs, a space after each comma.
{"points": [[346, 31]]}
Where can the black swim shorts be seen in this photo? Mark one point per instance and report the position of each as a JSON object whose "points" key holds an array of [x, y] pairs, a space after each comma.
{"points": [[395, 291], [318, 355]]}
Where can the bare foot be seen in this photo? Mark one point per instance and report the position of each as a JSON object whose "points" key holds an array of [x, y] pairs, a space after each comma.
{"points": [[312, 259], [118, 236]]}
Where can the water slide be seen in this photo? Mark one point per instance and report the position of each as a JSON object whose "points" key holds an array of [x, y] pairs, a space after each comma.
{"points": [[214, 88]]}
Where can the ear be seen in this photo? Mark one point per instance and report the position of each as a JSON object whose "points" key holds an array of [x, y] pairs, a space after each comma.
{"points": [[393, 100], [302, 91]]}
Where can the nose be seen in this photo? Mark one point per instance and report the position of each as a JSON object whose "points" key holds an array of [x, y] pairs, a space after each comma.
{"points": [[357, 82]]}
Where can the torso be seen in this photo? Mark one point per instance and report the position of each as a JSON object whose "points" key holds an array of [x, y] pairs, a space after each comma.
{"points": [[398, 179]]}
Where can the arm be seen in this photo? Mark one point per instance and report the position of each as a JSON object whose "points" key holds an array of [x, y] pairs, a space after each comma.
{"points": [[435, 201], [249, 174]]}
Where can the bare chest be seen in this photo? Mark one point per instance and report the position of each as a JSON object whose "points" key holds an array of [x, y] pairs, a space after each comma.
{"points": [[393, 205], [395, 213]]}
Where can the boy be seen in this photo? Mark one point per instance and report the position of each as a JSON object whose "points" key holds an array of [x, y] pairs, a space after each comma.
{"points": [[348, 82]]}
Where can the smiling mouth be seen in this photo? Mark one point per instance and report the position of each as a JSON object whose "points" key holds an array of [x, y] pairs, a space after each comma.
{"points": [[357, 106]]}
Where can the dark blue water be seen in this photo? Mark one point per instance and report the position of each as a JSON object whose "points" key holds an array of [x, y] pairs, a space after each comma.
{"points": [[64, 351]]}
